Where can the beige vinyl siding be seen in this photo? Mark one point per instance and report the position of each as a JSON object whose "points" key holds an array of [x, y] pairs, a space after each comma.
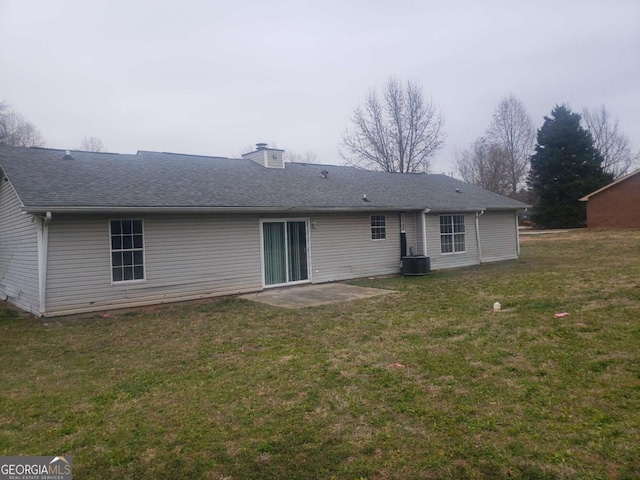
{"points": [[451, 260], [498, 233], [196, 256], [413, 229], [341, 247], [266, 158], [199, 256], [185, 257], [18, 252], [259, 157], [276, 162]]}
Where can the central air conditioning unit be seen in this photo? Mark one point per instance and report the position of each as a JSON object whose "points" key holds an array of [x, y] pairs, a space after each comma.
{"points": [[416, 265]]}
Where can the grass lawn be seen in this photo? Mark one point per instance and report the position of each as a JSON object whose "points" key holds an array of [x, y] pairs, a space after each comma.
{"points": [[425, 383]]}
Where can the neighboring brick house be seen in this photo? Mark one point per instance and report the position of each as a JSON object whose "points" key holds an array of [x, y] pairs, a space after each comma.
{"points": [[616, 205]]}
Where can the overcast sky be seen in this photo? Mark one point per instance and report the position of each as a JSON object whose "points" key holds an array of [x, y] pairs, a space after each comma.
{"points": [[213, 77]]}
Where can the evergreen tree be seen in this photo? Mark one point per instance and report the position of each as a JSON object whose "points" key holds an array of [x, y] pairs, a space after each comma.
{"points": [[565, 167]]}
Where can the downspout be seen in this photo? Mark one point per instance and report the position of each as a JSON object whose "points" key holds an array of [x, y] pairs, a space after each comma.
{"points": [[424, 231], [415, 230], [403, 239], [42, 227], [478, 215], [518, 232]]}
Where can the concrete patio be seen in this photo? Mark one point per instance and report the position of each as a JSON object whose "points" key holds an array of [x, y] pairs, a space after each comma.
{"points": [[313, 295]]}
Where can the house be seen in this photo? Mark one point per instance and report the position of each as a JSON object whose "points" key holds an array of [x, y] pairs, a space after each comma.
{"points": [[616, 205], [82, 232]]}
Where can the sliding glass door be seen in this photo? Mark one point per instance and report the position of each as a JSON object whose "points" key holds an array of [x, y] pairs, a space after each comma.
{"points": [[275, 254], [284, 245]]}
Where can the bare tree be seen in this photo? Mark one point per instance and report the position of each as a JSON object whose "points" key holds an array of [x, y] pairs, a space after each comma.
{"points": [[486, 165], [399, 133], [513, 131], [612, 143], [307, 157], [92, 144], [16, 131], [248, 149]]}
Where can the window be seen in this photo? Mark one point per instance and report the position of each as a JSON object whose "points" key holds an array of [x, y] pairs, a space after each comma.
{"points": [[127, 259], [378, 227], [452, 233]]}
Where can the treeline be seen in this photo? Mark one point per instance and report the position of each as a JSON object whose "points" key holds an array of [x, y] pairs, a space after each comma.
{"points": [[17, 131]]}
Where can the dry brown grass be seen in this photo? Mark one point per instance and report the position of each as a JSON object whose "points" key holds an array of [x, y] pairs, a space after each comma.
{"points": [[429, 383]]}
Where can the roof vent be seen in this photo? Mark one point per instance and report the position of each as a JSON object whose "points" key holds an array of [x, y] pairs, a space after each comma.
{"points": [[458, 190], [364, 198], [324, 174], [261, 146], [67, 155]]}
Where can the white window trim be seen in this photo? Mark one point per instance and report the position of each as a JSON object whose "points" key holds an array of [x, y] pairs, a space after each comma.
{"points": [[452, 234], [144, 256], [371, 227]]}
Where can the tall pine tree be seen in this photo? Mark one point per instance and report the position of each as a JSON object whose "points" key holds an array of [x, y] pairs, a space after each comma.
{"points": [[565, 167]]}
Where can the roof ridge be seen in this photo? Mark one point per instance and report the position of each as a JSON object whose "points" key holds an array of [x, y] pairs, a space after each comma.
{"points": [[319, 164], [77, 150], [46, 148], [139, 152]]}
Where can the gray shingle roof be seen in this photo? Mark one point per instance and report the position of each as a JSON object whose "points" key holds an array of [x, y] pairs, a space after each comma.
{"points": [[166, 181]]}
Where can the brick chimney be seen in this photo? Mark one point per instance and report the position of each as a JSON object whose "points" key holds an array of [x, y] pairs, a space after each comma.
{"points": [[265, 156]]}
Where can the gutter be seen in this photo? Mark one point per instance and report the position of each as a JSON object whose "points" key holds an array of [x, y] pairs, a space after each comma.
{"points": [[424, 230], [43, 209], [477, 209], [518, 232], [479, 244], [42, 231], [403, 239]]}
